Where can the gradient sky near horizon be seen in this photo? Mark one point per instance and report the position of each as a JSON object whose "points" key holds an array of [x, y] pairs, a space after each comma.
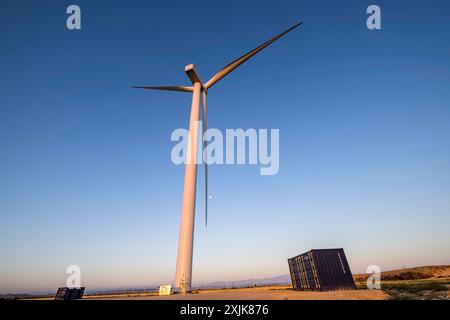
{"points": [[85, 170]]}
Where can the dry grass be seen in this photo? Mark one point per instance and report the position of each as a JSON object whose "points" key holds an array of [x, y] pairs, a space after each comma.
{"points": [[417, 273]]}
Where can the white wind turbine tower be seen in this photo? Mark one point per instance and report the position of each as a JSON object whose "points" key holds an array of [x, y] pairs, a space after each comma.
{"points": [[199, 90]]}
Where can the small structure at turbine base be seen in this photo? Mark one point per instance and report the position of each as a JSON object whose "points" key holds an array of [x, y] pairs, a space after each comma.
{"points": [[165, 290], [321, 270]]}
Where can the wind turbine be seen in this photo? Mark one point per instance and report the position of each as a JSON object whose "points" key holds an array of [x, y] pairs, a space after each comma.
{"points": [[199, 90]]}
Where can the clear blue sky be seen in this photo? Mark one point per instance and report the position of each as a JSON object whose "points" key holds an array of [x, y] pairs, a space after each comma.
{"points": [[85, 170]]}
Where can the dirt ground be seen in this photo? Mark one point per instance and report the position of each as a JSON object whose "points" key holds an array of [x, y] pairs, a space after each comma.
{"points": [[264, 293]]}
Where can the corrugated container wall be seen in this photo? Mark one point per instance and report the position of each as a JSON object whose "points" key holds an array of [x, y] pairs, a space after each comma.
{"points": [[321, 270]]}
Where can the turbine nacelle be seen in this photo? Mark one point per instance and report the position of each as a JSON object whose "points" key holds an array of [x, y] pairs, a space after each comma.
{"points": [[193, 75]]}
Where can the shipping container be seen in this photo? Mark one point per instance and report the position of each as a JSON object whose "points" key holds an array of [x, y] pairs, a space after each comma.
{"points": [[321, 270], [65, 293]]}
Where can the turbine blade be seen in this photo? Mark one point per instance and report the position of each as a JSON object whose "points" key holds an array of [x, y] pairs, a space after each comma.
{"points": [[167, 88], [236, 63], [205, 127]]}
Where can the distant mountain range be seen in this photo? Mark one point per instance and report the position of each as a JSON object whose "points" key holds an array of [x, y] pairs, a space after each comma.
{"points": [[281, 279], [11, 296]]}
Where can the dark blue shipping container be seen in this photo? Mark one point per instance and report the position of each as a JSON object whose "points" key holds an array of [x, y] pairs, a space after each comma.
{"points": [[321, 270]]}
